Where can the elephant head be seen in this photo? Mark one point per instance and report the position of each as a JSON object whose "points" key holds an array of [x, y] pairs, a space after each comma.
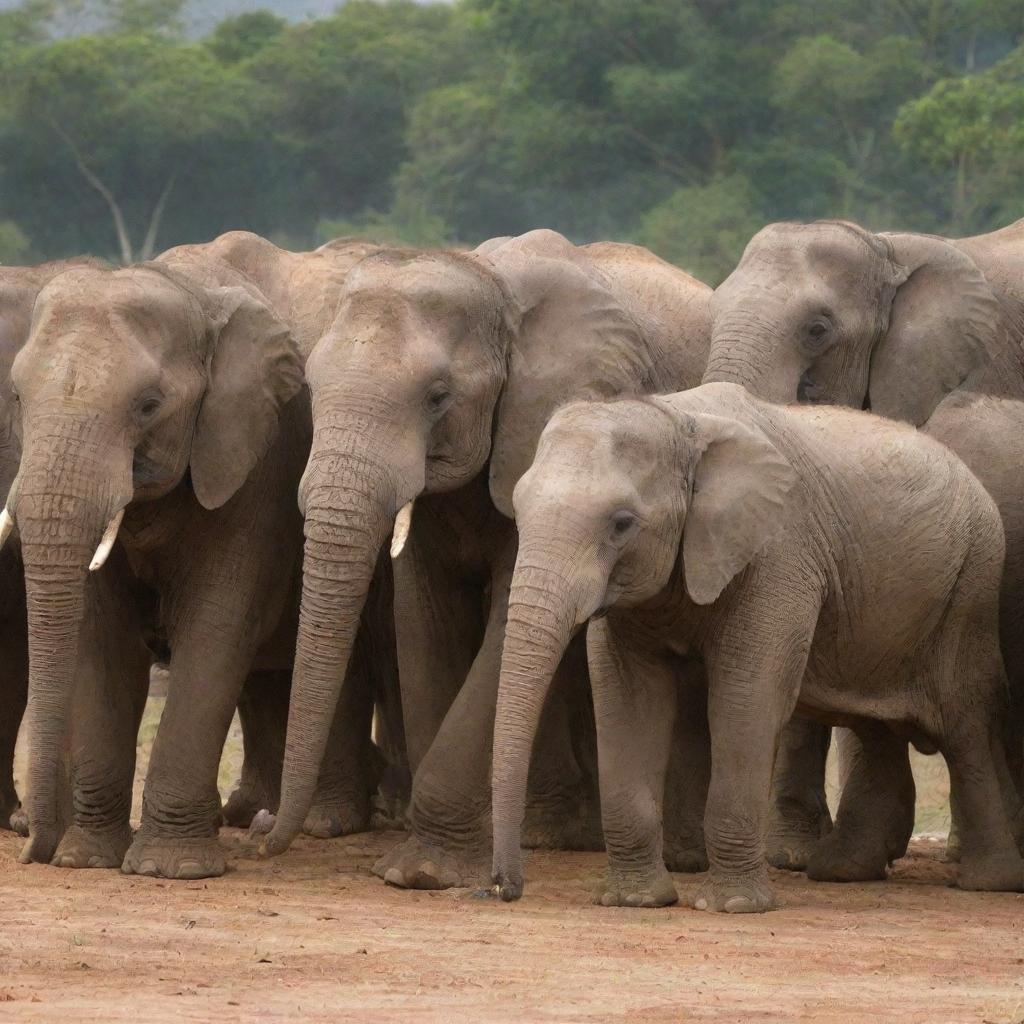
{"points": [[19, 287], [131, 383], [437, 363], [829, 312], [618, 496]]}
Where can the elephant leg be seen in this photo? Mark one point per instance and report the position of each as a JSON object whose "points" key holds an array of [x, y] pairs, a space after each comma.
{"points": [[876, 810], [563, 804], [800, 814], [689, 774], [989, 856], [13, 698], [972, 737], [439, 625], [754, 676], [395, 787], [634, 704], [232, 582], [110, 696], [263, 714], [449, 815]]}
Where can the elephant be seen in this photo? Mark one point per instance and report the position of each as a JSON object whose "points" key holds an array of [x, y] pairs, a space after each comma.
{"points": [[163, 427], [821, 559], [917, 328], [433, 386], [18, 288]]}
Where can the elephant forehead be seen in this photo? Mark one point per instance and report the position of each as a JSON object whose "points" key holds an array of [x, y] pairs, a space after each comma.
{"points": [[609, 432], [429, 283], [112, 303], [813, 246]]}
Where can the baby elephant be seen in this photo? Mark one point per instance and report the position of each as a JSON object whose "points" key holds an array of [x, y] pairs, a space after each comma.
{"points": [[816, 559]]}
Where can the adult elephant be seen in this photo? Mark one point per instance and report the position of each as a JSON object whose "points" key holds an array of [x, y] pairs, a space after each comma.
{"points": [[916, 328], [434, 385], [162, 428]]}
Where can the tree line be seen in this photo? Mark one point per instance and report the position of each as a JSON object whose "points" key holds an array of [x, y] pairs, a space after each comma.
{"points": [[681, 124]]}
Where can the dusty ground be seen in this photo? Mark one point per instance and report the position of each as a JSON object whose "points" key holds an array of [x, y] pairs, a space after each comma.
{"points": [[314, 937]]}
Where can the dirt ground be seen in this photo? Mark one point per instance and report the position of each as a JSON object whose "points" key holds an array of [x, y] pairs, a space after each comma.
{"points": [[313, 936]]}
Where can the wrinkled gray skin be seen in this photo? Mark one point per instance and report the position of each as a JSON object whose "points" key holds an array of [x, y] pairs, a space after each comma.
{"points": [[18, 288], [817, 559], [917, 328], [435, 384], [170, 391]]}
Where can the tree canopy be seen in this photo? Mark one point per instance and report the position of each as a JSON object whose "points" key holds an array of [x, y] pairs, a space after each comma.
{"points": [[682, 124]]}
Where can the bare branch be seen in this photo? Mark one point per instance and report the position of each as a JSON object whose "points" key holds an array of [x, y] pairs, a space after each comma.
{"points": [[149, 243], [93, 179]]}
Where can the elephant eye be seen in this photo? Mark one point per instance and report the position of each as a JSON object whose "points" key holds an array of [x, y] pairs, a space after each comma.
{"points": [[148, 407], [439, 397], [817, 334], [622, 522]]}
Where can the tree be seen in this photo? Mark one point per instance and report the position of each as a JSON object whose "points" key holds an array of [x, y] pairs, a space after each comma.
{"points": [[339, 91], [973, 126], [239, 38], [127, 115], [703, 228]]}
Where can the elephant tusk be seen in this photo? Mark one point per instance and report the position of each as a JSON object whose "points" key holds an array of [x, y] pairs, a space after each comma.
{"points": [[403, 523], [6, 526], [107, 542]]}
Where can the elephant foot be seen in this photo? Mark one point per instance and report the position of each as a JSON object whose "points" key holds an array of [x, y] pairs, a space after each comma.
{"points": [[686, 854], [998, 872], [565, 825], [390, 804], [836, 859], [13, 816], [244, 804], [636, 889], [164, 857], [389, 811], [329, 820], [416, 864], [794, 835], [791, 851], [84, 849], [731, 895]]}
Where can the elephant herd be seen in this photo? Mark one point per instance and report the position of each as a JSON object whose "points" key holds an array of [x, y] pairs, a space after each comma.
{"points": [[537, 544]]}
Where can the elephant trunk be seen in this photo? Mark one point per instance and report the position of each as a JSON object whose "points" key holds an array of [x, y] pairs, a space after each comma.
{"points": [[544, 609], [350, 510], [749, 347], [62, 501]]}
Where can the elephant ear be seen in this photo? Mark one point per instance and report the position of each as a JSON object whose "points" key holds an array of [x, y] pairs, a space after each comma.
{"points": [[739, 502], [944, 324], [571, 339], [254, 369]]}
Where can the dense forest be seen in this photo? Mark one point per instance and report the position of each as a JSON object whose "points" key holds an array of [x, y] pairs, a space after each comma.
{"points": [[683, 124]]}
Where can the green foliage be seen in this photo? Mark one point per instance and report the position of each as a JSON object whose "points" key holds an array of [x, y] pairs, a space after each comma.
{"points": [[15, 247], [703, 228], [239, 38], [685, 124]]}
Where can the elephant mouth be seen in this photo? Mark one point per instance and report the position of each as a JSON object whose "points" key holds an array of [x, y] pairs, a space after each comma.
{"points": [[809, 391]]}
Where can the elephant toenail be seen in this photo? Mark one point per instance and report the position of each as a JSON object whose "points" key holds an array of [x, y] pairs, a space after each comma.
{"points": [[701, 904], [394, 877]]}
